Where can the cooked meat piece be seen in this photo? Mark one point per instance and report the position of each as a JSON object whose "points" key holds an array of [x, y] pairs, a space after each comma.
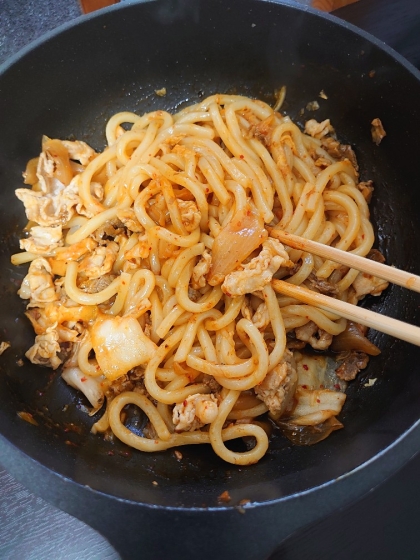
{"points": [[194, 412], [38, 286], [42, 240], [366, 188], [200, 270], [339, 151], [375, 255], [292, 343], [312, 105], [318, 129], [263, 130], [367, 284], [108, 231], [378, 131], [322, 286], [94, 285], [45, 349], [258, 272], [48, 317], [322, 162], [317, 338], [278, 386], [353, 362], [79, 151], [54, 203], [211, 382], [120, 385]]}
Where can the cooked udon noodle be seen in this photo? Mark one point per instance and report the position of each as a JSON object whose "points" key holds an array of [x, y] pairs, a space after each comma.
{"points": [[151, 264]]}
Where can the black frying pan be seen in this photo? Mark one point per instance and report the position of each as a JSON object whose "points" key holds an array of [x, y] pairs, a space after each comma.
{"points": [[69, 84]]}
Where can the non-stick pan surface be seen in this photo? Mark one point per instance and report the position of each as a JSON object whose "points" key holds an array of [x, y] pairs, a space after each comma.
{"points": [[67, 86]]}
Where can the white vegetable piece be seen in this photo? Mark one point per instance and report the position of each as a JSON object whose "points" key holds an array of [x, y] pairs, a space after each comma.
{"points": [[120, 345], [90, 386]]}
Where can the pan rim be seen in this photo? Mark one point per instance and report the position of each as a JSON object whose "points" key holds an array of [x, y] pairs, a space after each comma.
{"points": [[380, 467], [415, 428], [45, 37]]}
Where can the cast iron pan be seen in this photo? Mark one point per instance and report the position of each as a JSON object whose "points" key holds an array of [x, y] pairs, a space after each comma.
{"points": [[67, 85]]}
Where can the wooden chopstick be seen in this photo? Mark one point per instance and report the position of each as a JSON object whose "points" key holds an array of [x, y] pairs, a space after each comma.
{"points": [[389, 273], [382, 323]]}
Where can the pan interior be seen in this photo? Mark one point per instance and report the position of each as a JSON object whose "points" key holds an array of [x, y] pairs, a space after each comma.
{"points": [[70, 84]]}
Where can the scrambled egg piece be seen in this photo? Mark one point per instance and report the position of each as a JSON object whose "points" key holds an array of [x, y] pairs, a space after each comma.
{"points": [[194, 412], [141, 250], [77, 250], [100, 261], [190, 214], [258, 272]]}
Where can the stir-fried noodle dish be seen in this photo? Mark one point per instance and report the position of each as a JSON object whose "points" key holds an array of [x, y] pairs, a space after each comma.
{"points": [[150, 283]]}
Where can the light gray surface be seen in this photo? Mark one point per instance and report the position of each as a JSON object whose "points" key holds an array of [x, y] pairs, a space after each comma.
{"points": [[22, 21], [31, 529]]}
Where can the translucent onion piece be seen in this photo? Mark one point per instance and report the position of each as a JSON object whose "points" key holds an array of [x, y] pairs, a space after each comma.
{"points": [[352, 338], [57, 152], [308, 435], [235, 242]]}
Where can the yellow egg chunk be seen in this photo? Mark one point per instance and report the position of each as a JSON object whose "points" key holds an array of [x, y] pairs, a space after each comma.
{"points": [[120, 345]]}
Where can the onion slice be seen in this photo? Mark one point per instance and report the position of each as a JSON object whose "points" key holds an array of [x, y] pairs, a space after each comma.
{"points": [[308, 435], [235, 242], [352, 338]]}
